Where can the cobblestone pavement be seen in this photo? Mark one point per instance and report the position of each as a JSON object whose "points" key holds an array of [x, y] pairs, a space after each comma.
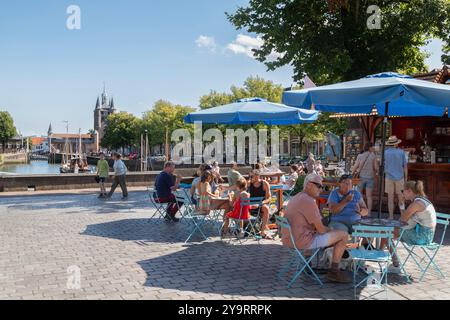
{"points": [[122, 254]]}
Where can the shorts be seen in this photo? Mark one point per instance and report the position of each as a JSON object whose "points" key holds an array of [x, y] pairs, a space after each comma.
{"points": [[340, 225], [102, 180], [319, 241], [366, 183], [419, 235], [392, 186]]}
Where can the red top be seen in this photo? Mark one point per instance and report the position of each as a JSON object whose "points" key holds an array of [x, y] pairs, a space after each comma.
{"points": [[236, 213]]}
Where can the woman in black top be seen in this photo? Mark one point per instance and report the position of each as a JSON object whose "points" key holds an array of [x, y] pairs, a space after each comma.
{"points": [[261, 189]]}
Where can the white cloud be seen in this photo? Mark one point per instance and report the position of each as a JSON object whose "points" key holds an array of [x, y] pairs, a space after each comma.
{"points": [[206, 42], [246, 44]]}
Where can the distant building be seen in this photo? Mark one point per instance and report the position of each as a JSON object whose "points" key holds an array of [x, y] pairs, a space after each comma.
{"points": [[39, 145], [14, 145], [58, 142], [103, 108], [436, 75]]}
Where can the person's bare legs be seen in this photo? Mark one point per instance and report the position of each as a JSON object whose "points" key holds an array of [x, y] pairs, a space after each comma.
{"points": [[264, 219], [391, 205], [102, 188], [384, 244], [401, 200], [339, 239], [369, 199]]}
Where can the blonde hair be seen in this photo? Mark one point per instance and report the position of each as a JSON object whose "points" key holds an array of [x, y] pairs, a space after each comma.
{"points": [[241, 184], [417, 187]]}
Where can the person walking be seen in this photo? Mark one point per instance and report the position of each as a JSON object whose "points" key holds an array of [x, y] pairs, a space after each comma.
{"points": [[396, 173], [310, 164], [366, 167], [120, 170], [102, 173]]}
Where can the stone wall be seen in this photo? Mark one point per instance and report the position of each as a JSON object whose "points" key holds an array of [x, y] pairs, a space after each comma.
{"points": [[13, 158], [85, 181]]}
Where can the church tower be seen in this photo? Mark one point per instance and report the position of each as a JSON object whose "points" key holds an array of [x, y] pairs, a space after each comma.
{"points": [[103, 108]]}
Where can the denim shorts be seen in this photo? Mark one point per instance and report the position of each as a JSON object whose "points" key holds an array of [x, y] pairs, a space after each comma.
{"points": [[419, 235], [340, 225], [366, 183]]}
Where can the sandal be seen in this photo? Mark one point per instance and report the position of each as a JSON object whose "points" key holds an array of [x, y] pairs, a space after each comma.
{"points": [[267, 236]]}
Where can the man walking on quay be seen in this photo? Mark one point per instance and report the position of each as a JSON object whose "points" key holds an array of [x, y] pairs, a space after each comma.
{"points": [[120, 170], [396, 169]]}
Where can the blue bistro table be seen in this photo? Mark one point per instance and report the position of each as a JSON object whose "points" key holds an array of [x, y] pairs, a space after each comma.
{"points": [[375, 222]]}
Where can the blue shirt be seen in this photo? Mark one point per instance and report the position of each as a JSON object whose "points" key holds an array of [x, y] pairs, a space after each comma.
{"points": [[349, 213], [163, 183], [395, 163]]}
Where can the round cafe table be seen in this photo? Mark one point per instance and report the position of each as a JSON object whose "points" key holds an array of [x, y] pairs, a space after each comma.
{"points": [[375, 222]]}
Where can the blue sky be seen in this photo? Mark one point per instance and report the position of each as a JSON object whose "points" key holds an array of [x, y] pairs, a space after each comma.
{"points": [[144, 50]]}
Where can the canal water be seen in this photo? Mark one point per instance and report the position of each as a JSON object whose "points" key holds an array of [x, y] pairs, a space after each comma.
{"points": [[34, 167]]}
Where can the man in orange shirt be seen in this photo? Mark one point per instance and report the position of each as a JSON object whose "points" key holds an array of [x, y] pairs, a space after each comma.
{"points": [[309, 232]]}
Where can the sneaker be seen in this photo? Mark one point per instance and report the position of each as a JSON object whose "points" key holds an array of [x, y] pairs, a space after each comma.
{"points": [[101, 196], [124, 198], [339, 276], [394, 269]]}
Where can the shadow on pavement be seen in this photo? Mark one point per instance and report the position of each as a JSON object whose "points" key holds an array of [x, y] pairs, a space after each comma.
{"points": [[244, 270]]}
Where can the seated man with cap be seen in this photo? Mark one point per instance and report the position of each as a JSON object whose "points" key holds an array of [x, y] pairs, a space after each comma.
{"points": [[347, 206]]}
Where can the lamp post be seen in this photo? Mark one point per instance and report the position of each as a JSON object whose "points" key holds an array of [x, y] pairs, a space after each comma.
{"points": [[146, 150]]}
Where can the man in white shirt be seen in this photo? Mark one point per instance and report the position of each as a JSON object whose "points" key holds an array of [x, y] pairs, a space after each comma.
{"points": [[120, 170]]}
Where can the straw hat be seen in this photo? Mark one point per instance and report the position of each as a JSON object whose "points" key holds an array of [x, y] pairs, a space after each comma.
{"points": [[393, 141]]}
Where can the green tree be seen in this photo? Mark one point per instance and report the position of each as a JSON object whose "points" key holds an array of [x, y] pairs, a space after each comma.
{"points": [[121, 130], [335, 44], [164, 117], [258, 87], [7, 128], [254, 87]]}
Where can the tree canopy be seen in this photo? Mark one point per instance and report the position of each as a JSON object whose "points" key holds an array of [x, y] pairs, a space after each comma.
{"points": [[258, 87], [254, 87], [335, 44], [7, 128], [164, 116], [121, 130]]}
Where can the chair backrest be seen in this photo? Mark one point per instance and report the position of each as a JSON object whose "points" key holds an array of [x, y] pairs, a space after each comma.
{"points": [[180, 196], [443, 219], [373, 232], [250, 202], [283, 222]]}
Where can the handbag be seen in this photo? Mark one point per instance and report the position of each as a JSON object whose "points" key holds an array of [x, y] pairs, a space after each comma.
{"points": [[97, 179]]}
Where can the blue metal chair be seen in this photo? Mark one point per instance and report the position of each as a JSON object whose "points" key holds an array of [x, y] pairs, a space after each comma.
{"points": [[250, 229], [160, 208], [298, 259], [195, 220], [371, 254], [430, 250]]}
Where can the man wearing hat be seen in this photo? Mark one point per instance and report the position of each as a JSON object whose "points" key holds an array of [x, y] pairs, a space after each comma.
{"points": [[396, 172]]}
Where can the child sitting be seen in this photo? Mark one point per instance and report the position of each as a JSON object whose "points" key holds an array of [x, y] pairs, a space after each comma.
{"points": [[239, 212]]}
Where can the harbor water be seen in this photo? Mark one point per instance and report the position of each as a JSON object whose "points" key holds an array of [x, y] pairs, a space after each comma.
{"points": [[33, 168]]}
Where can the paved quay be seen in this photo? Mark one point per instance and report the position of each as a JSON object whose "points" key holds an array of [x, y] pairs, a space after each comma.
{"points": [[120, 253]]}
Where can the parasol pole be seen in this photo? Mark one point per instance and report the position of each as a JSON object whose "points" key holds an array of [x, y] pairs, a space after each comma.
{"points": [[383, 143]]}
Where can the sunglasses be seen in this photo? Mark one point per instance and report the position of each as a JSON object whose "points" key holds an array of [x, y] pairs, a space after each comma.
{"points": [[345, 177], [318, 185]]}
